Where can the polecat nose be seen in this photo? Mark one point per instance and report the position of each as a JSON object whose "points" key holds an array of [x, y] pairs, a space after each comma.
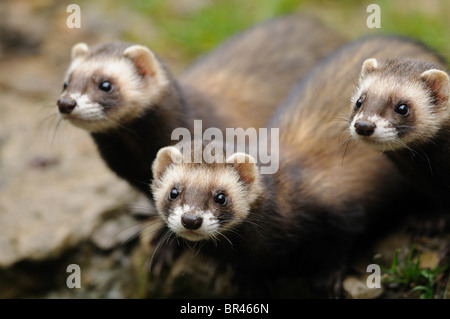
{"points": [[364, 128], [191, 221], [66, 106]]}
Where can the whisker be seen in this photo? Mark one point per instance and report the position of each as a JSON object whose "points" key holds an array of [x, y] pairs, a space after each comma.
{"points": [[247, 221], [346, 143], [58, 123], [241, 220], [46, 118], [424, 155], [167, 234], [213, 237], [390, 146], [150, 229], [403, 144], [418, 153], [132, 231], [123, 127], [224, 236], [145, 210]]}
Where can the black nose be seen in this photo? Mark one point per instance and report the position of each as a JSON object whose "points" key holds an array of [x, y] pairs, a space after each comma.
{"points": [[364, 128], [66, 106], [191, 221]]}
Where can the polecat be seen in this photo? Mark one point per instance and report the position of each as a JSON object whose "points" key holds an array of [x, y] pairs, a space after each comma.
{"points": [[126, 98], [305, 219], [401, 108]]}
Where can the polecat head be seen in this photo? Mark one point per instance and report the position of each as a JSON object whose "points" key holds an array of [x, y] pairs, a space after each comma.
{"points": [[201, 201], [401, 103], [110, 84]]}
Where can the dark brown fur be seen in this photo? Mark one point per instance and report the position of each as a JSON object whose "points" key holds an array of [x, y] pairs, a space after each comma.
{"points": [[423, 155], [326, 196], [313, 125], [329, 195]]}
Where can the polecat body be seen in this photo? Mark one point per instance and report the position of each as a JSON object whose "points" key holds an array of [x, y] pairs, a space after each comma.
{"points": [[230, 211], [127, 100], [402, 109], [243, 80], [305, 219], [125, 97]]}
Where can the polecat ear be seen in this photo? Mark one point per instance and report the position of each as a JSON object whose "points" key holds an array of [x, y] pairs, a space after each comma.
{"points": [[368, 66], [79, 49], [165, 156], [245, 165], [144, 60], [438, 82]]}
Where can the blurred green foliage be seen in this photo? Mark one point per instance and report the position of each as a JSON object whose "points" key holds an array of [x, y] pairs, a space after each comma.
{"points": [[188, 28], [196, 26]]}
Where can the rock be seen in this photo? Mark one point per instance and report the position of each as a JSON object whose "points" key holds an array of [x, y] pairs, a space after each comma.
{"points": [[142, 208], [55, 189], [116, 231], [429, 260], [18, 37], [45, 211], [57, 195], [357, 288], [192, 275]]}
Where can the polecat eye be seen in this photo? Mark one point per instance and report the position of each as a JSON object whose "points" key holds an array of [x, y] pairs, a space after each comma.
{"points": [[66, 84], [173, 193], [106, 86], [402, 109], [359, 102], [220, 199]]}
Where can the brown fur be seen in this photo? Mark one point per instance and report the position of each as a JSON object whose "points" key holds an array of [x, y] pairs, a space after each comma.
{"points": [[312, 125], [248, 75], [419, 143], [237, 84], [333, 191], [325, 197]]}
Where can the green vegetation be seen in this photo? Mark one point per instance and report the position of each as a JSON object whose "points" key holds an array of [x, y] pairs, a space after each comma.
{"points": [[409, 276], [194, 27], [188, 28]]}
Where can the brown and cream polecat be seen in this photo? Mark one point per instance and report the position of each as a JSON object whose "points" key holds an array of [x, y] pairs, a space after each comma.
{"points": [[126, 98], [305, 219], [401, 108]]}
